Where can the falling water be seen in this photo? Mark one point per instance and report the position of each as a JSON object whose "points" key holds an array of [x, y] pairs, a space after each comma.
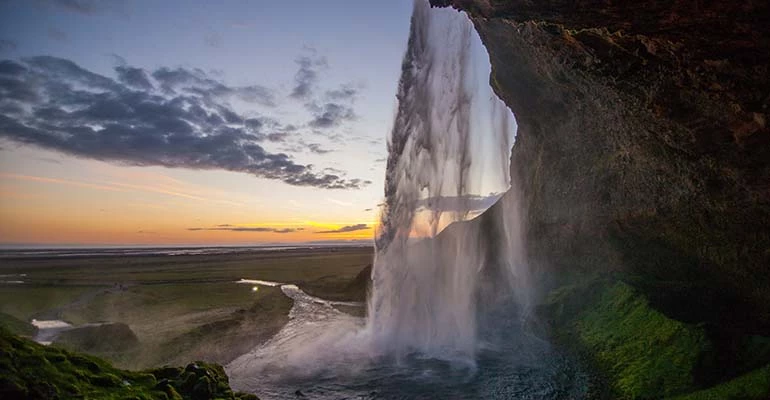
{"points": [[451, 139], [450, 287]]}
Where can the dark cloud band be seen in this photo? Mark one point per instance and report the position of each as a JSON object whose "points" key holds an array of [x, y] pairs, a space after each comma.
{"points": [[230, 228], [349, 228], [168, 117]]}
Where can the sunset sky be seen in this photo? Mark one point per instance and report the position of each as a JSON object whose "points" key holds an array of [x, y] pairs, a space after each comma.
{"points": [[146, 122], [314, 81]]}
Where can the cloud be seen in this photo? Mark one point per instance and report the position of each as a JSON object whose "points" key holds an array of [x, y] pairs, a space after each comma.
{"points": [[330, 115], [85, 7], [177, 118], [48, 160], [316, 148], [287, 230], [230, 228], [344, 93], [349, 228], [277, 137], [307, 76], [332, 170], [134, 77], [195, 82], [301, 146], [328, 109], [7, 45]]}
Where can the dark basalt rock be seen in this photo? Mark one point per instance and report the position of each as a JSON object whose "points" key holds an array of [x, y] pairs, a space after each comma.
{"points": [[643, 144]]}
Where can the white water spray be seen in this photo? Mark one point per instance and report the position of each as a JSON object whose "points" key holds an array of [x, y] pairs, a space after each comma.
{"points": [[451, 140]]}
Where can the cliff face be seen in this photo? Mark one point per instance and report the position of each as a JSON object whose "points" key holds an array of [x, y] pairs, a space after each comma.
{"points": [[643, 145]]}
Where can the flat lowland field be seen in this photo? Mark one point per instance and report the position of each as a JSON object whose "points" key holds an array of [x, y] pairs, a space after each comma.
{"points": [[181, 308]]}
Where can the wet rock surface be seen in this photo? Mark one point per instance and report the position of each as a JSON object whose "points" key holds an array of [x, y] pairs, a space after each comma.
{"points": [[643, 144]]}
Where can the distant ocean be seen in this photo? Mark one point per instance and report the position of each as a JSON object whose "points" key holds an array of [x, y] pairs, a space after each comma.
{"points": [[40, 252]]}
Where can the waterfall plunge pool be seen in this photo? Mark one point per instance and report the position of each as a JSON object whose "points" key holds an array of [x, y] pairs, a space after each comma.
{"points": [[322, 353]]}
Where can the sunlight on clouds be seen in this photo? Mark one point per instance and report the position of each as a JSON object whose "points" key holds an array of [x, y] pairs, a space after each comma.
{"points": [[45, 202]]}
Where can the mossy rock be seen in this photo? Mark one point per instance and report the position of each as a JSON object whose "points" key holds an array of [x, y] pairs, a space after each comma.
{"points": [[754, 385], [30, 370], [642, 353]]}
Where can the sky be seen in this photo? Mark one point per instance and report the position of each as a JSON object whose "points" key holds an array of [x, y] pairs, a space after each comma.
{"points": [[202, 123], [235, 122]]}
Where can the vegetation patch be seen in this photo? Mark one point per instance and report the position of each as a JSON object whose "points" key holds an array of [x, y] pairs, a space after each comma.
{"points": [[179, 308], [642, 353], [341, 287], [16, 326], [101, 339], [30, 370], [753, 385]]}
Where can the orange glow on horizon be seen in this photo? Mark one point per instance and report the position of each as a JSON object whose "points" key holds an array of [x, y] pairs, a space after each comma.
{"points": [[147, 208]]}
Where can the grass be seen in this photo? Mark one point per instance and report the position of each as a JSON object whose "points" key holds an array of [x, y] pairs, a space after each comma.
{"points": [[181, 308], [281, 266], [33, 300], [16, 326], [101, 340], [153, 310], [342, 288], [753, 385], [226, 338], [29, 370]]}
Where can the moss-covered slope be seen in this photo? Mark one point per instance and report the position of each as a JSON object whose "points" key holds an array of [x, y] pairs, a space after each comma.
{"points": [[16, 326], [32, 371], [645, 355]]}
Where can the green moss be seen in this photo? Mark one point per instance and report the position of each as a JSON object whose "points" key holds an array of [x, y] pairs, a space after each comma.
{"points": [[754, 385], [642, 353], [30, 370], [647, 354]]}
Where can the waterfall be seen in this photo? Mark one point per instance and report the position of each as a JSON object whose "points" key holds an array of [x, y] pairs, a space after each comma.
{"points": [[436, 269], [450, 282]]}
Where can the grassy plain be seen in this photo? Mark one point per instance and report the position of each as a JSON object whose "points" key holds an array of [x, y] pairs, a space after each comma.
{"points": [[182, 307]]}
